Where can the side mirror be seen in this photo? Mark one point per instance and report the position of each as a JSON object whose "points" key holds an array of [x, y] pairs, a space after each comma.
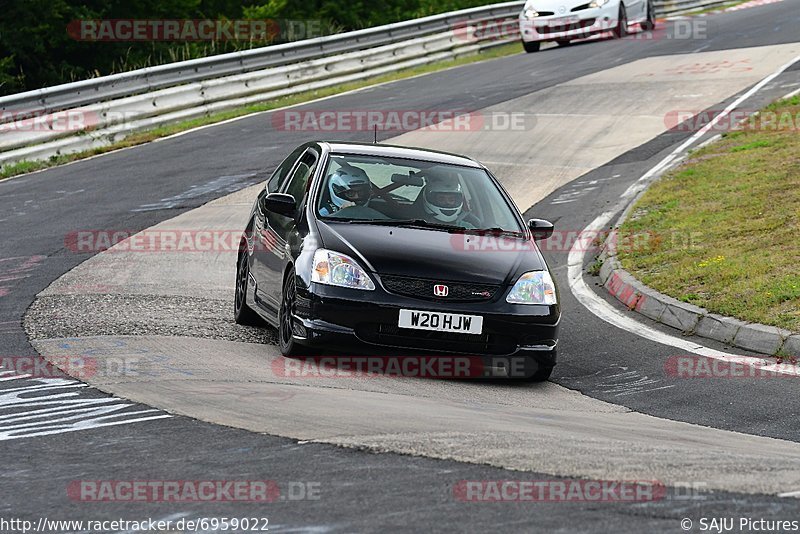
{"points": [[541, 229], [279, 203]]}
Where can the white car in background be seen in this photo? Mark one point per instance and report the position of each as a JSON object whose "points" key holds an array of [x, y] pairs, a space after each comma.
{"points": [[564, 20]]}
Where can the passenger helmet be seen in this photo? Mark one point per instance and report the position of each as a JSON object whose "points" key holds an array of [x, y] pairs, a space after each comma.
{"points": [[443, 198]]}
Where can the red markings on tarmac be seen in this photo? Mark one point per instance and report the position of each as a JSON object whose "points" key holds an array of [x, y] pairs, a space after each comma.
{"points": [[14, 269]]}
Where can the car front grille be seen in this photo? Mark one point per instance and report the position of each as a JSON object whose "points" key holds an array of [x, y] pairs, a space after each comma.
{"points": [[421, 288], [428, 340]]}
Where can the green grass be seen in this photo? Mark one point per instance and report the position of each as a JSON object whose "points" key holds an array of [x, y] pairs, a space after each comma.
{"points": [[761, 143], [595, 267], [722, 230], [23, 167]]}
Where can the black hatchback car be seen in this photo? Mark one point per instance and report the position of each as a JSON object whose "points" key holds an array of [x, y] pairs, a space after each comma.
{"points": [[393, 250]]}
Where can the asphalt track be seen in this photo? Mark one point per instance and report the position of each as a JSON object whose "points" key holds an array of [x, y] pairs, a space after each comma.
{"points": [[144, 306], [125, 190]]}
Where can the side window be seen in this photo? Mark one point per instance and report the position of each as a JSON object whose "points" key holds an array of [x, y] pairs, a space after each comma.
{"points": [[299, 180], [280, 174]]}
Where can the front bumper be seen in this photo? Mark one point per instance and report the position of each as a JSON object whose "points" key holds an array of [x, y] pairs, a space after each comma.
{"points": [[587, 22], [338, 319]]}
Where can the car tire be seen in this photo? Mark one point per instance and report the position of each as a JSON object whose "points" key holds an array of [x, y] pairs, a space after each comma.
{"points": [[289, 347], [242, 313], [544, 369], [542, 374], [564, 42], [621, 30], [650, 23], [531, 47]]}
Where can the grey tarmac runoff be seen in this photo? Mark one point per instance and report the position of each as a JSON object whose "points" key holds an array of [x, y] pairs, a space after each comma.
{"points": [[118, 305], [417, 416]]}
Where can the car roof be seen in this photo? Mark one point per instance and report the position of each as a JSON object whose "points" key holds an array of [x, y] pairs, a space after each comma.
{"points": [[393, 151]]}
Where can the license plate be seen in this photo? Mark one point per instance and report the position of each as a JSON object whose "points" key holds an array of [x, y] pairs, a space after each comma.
{"points": [[563, 21], [441, 322]]}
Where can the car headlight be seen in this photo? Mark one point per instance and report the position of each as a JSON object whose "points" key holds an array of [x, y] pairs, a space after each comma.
{"points": [[529, 13], [334, 269], [598, 3], [535, 287]]}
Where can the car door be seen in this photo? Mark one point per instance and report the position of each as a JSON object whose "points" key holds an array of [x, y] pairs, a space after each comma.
{"points": [[264, 238], [635, 9], [277, 229]]}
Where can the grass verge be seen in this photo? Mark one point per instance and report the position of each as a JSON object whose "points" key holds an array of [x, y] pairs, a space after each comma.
{"points": [[721, 231], [715, 9], [23, 167]]}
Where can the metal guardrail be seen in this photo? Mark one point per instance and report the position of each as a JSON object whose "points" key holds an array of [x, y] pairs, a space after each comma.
{"points": [[86, 92], [190, 100], [675, 7], [139, 100]]}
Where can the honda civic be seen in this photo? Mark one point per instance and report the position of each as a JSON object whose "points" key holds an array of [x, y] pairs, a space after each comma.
{"points": [[393, 250]]}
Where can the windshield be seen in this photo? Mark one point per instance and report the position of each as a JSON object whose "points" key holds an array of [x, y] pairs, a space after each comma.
{"points": [[386, 190]]}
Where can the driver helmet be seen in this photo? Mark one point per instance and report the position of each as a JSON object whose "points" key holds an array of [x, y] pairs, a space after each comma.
{"points": [[443, 198], [349, 186]]}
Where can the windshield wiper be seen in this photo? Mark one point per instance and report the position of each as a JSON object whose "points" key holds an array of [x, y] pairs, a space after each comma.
{"points": [[491, 231], [418, 223], [422, 223]]}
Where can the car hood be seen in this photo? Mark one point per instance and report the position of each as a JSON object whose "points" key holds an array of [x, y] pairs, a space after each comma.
{"points": [[559, 7], [433, 254]]}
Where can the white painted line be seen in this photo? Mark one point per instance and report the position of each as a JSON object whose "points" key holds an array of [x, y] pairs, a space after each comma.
{"points": [[6, 378], [79, 427], [591, 301], [65, 406], [602, 309], [55, 406], [792, 94], [790, 494]]}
